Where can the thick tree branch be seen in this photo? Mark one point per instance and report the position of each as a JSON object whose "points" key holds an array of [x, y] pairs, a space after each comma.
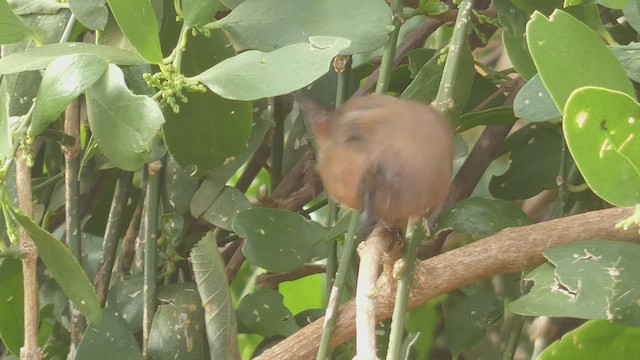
{"points": [[509, 251]]}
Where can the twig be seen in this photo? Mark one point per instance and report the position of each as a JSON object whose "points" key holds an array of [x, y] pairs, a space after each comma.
{"points": [[509, 251], [272, 280]]}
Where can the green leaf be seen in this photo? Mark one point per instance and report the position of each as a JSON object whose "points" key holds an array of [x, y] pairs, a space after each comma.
{"points": [[514, 22], [110, 340], [137, 20], [481, 217], [195, 137], [226, 207], [629, 58], [632, 14], [613, 4], [543, 6], [593, 279], [12, 30], [263, 313], [364, 22], [33, 7], [600, 126], [91, 13], [63, 80], [596, 340], [254, 74], [11, 305], [39, 57], [124, 125], [6, 148], [125, 297], [218, 177], [534, 154], [533, 102], [178, 187], [468, 320], [211, 279], [494, 116], [278, 240], [64, 268], [178, 324], [569, 55], [424, 86], [198, 13]]}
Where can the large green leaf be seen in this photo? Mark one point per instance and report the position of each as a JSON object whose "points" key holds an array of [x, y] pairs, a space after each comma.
{"points": [[218, 177], [493, 116], [632, 13], [124, 125], [279, 240], [226, 207], [533, 102], [178, 324], [481, 217], [213, 287], [137, 20], [514, 22], [593, 279], [11, 305], [534, 154], [198, 13], [254, 74], [12, 30], [263, 312], [569, 55], [126, 298], [424, 86], [364, 22], [593, 340], [64, 268], [39, 57], [629, 58], [469, 319], [110, 340], [208, 131], [91, 13], [64, 79], [601, 128]]}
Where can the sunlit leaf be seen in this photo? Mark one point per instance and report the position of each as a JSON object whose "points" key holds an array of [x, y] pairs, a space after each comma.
{"points": [[137, 20]]}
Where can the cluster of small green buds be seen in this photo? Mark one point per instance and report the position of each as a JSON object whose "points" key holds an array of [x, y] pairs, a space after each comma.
{"points": [[172, 86]]}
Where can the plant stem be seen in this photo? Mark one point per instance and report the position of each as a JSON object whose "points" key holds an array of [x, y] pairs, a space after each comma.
{"points": [[150, 249], [277, 141], [336, 291], [72, 205], [390, 48], [112, 235]]}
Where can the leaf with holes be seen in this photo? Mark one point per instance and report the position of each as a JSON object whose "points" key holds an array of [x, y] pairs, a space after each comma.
{"points": [[593, 279], [601, 128], [264, 313]]}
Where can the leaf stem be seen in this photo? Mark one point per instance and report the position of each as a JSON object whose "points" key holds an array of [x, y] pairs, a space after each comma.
{"points": [[390, 48], [336, 291]]}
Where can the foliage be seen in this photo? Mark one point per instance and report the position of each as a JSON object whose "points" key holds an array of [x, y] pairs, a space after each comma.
{"points": [[194, 191]]}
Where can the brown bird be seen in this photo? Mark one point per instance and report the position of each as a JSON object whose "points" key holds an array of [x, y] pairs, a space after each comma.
{"points": [[387, 157]]}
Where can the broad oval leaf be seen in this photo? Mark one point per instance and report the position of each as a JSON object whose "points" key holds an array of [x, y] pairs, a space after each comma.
{"points": [[92, 14], [229, 203], [593, 279], [493, 116], [137, 20], [278, 240], [124, 125], [514, 22], [213, 287], [601, 128], [39, 57], [263, 312], [254, 74], [365, 23], [481, 217], [63, 266], [12, 30], [569, 55], [198, 13], [596, 339], [64, 79], [208, 131], [110, 340], [533, 102]]}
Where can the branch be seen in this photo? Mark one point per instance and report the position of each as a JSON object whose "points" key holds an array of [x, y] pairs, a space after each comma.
{"points": [[509, 251]]}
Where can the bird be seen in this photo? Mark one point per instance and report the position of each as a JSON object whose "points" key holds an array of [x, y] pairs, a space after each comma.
{"points": [[389, 158]]}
